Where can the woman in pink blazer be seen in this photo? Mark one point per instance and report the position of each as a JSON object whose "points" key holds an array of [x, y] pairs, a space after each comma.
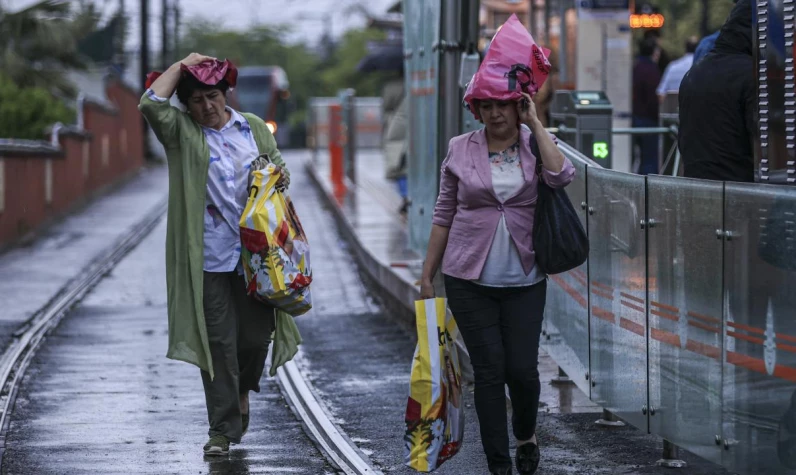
{"points": [[482, 235]]}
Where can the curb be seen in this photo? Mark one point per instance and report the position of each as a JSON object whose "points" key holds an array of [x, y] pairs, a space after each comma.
{"points": [[341, 451]]}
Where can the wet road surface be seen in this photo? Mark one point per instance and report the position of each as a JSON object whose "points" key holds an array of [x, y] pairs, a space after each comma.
{"points": [[100, 396]]}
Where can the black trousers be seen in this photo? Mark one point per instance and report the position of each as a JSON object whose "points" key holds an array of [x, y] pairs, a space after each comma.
{"points": [[239, 332], [501, 327]]}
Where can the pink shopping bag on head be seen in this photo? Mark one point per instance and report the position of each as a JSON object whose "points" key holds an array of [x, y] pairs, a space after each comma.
{"points": [[513, 64]]}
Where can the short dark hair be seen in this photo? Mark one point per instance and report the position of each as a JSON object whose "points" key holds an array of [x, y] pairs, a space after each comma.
{"points": [[189, 84], [648, 47], [691, 44]]}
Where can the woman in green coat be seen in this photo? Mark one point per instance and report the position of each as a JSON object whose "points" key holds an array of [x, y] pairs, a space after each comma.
{"points": [[213, 323]]}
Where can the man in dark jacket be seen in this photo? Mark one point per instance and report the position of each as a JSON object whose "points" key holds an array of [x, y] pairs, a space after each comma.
{"points": [[718, 105], [646, 77]]}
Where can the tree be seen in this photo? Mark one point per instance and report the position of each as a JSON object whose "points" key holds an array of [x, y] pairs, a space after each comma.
{"points": [[685, 18], [342, 71], [39, 42], [26, 112]]}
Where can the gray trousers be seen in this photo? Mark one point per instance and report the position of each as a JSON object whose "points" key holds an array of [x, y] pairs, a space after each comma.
{"points": [[238, 329]]}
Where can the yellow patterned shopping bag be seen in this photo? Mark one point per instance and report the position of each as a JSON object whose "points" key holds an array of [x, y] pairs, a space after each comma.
{"points": [[434, 412], [274, 249]]}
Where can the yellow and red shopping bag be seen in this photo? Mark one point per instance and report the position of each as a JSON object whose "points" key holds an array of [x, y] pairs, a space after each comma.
{"points": [[274, 250], [434, 412]]}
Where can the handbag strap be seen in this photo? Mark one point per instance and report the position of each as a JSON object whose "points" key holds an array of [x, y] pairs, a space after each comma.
{"points": [[536, 153]]}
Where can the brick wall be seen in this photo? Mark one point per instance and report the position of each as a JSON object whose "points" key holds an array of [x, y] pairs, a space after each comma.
{"points": [[40, 181]]}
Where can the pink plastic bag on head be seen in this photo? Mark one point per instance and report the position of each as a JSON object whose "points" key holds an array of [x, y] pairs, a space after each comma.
{"points": [[513, 64], [209, 72], [212, 72]]}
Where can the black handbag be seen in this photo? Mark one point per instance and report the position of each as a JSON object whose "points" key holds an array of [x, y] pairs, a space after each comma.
{"points": [[560, 242]]}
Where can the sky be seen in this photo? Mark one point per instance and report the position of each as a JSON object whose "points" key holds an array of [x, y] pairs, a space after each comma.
{"points": [[240, 14]]}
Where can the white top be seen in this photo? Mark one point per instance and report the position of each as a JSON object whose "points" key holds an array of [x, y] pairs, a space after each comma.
{"points": [[503, 267], [232, 149], [674, 74]]}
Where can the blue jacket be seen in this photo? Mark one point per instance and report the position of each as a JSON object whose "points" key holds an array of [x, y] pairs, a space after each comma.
{"points": [[705, 46]]}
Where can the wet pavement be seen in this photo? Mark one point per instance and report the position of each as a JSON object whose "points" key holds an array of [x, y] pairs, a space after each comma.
{"points": [[100, 396]]}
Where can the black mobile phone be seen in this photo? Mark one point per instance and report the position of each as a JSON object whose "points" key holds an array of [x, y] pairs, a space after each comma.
{"points": [[525, 104]]}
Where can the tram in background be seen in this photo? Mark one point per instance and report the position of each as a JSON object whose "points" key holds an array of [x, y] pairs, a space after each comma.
{"points": [[265, 91]]}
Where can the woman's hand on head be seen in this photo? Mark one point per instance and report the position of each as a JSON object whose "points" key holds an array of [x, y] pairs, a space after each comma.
{"points": [[195, 58]]}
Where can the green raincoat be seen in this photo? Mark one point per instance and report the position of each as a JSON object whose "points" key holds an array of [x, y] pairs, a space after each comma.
{"points": [[188, 157]]}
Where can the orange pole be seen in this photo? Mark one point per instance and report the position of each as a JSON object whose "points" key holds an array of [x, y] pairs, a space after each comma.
{"points": [[336, 167]]}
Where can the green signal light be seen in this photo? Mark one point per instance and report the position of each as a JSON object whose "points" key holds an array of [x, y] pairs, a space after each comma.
{"points": [[600, 150]]}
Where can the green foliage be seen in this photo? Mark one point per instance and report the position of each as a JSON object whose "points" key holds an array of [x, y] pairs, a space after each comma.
{"points": [[684, 19], [309, 74], [25, 113], [343, 73], [38, 42]]}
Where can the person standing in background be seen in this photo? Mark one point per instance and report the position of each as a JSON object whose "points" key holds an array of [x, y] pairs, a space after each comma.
{"points": [[718, 103], [663, 59], [646, 78], [395, 137], [677, 69]]}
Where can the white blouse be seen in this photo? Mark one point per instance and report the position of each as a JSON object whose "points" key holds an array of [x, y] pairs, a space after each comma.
{"points": [[503, 267]]}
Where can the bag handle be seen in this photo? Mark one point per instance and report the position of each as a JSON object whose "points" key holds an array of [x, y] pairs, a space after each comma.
{"points": [[522, 74], [536, 153]]}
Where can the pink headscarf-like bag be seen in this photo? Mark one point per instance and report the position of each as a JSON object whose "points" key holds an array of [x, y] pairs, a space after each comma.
{"points": [[513, 64], [209, 72]]}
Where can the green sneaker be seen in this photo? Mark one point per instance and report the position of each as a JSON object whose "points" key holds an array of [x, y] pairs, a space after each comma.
{"points": [[244, 418], [217, 445]]}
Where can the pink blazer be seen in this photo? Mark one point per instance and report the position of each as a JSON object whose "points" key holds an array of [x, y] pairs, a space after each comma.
{"points": [[467, 204]]}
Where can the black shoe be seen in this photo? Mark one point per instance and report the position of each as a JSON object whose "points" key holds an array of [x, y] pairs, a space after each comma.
{"points": [[527, 458]]}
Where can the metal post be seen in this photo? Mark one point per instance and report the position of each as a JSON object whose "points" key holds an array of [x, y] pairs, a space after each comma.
{"points": [[670, 456], [547, 21], [176, 7], [120, 59], [164, 32], [144, 56], [604, 59], [336, 166], [350, 139], [144, 53], [609, 420], [563, 42]]}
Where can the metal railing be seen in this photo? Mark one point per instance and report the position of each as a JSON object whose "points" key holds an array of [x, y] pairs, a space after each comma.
{"points": [[682, 320], [673, 153]]}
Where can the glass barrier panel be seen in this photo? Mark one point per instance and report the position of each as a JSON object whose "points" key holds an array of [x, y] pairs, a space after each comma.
{"points": [[759, 365], [618, 286], [565, 333], [685, 312]]}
